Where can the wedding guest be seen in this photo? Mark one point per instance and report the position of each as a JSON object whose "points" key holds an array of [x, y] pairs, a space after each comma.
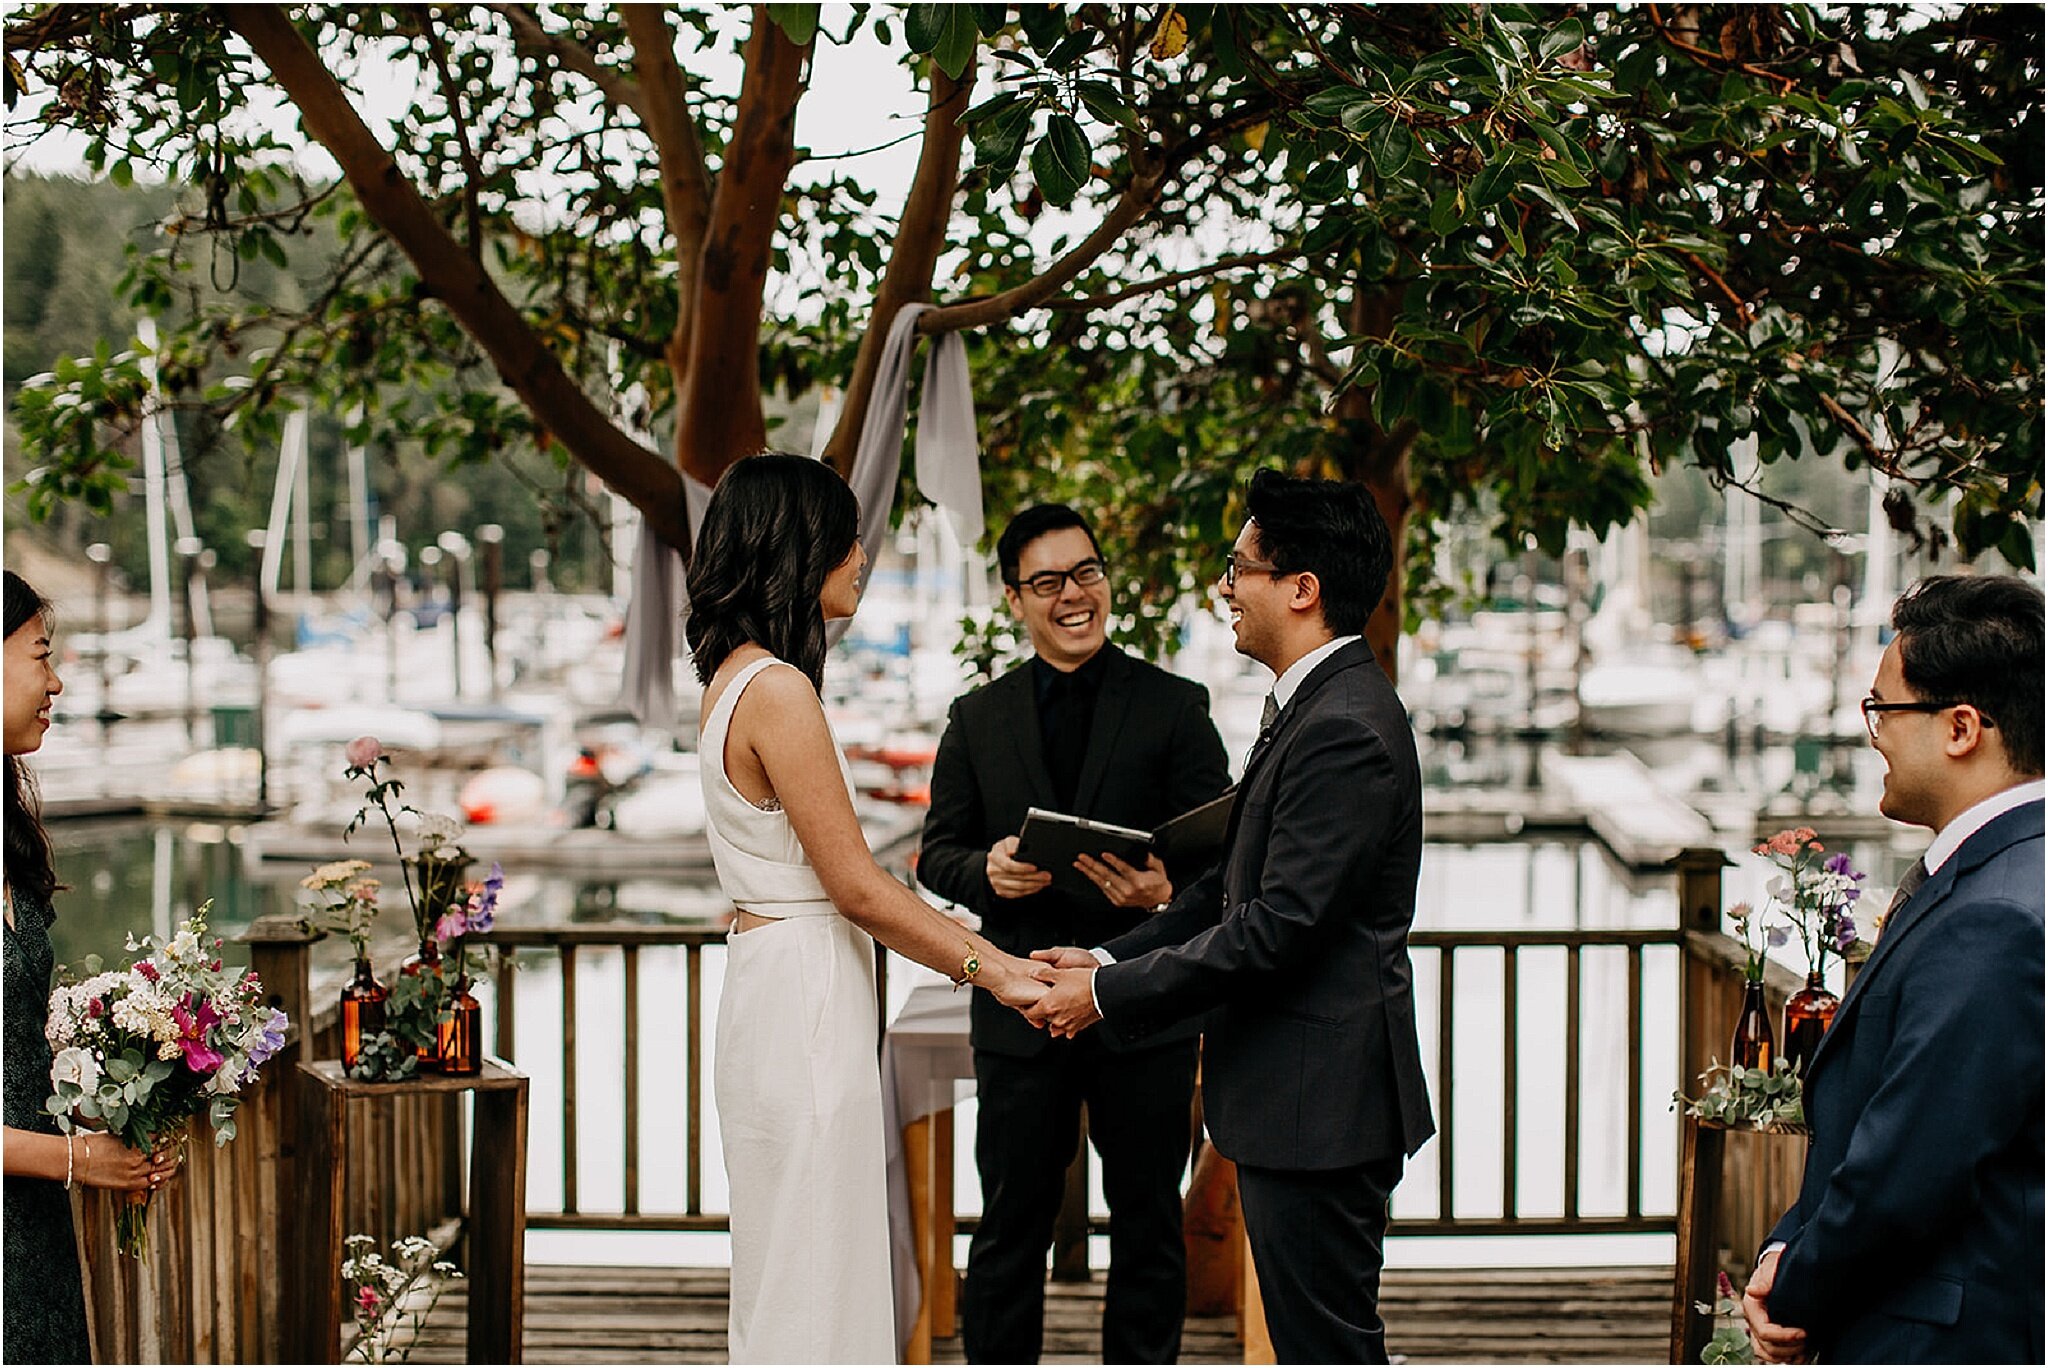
{"points": [[1918, 1233], [42, 1317], [796, 1078], [1081, 728]]}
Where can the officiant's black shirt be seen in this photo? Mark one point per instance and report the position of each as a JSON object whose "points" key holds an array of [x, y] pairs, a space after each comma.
{"points": [[1066, 712]]}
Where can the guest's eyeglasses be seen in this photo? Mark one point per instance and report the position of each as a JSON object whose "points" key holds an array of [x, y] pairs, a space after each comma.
{"points": [[1047, 583], [1874, 710], [1234, 563]]}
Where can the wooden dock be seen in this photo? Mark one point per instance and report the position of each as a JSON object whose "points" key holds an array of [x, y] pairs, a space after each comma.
{"points": [[578, 1315]]}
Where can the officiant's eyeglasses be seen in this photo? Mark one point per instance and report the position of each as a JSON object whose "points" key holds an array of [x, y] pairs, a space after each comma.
{"points": [[1047, 583], [1874, 710]]}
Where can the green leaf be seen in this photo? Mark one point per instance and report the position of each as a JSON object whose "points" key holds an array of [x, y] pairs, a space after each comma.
{"points": [[1448, 212], [1392, 146], [799, 23], [1568, 36], [1059, 163], [1494, 180], [957, 41], [121, 173], [924, 25], [1333, 102]]}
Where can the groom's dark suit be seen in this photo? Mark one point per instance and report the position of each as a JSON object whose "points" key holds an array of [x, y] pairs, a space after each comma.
{"points": [[1149, 753], [1917, 1237], [1312, 1076]]}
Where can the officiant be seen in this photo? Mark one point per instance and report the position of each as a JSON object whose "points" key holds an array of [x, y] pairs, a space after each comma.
{"points": [[1084, 729]]}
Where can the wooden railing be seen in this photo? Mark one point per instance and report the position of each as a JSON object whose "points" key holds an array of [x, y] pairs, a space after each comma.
{"points": [[212, 1290]]}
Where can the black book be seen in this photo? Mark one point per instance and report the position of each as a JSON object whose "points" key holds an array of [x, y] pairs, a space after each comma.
{"points": [[1052, 840]]}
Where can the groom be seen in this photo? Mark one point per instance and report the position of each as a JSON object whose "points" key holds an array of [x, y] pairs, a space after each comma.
{"points": [[1918, 1233], [1312, 1075]]}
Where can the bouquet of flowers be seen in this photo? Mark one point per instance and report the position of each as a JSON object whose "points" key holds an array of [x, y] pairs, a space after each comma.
{"points": [[139, 1050], [474, 915], [1814, 897]]}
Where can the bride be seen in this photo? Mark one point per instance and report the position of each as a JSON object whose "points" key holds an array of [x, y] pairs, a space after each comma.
{"points": [[797, 1082]]}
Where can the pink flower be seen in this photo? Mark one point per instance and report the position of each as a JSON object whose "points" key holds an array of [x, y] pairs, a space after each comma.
{"points": [[194, 1024], [147, 970], [368, 1299], [451, 925], [95, 1008], [363, 752]]}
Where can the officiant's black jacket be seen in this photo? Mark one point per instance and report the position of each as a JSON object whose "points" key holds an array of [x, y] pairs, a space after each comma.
{"points": [[1152, 754]]}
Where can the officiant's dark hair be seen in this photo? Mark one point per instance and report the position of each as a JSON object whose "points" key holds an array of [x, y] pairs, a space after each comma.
{"points": [[1329, 527], [29, 865], [776, 527], [1976, 639]]}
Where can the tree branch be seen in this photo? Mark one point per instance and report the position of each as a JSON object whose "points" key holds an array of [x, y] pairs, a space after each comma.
{"points": [[1167, 282], [1714, 60], [685, 183], [472, 169], [642, 477], [527, 32], [920, 236], [1147, 184]]}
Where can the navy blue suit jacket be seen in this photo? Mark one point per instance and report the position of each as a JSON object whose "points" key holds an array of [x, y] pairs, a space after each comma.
{"points": [[1917, 1237], [1300, 939]]}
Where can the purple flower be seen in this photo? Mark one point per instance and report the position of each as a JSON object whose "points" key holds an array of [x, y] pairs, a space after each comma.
{"points": [[272, 1039], [1778, 935], [483, 900], [1845, 934], [1837, 864]]}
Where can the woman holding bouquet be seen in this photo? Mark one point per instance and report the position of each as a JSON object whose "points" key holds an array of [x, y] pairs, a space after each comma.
{"points": [[797, 1083], [44, 1319]]}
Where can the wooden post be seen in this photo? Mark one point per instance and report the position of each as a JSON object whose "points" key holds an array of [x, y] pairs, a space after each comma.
{"points": [[918, 1175], [280, 953], [1070, 1231], [1692, 1283], [495, 1230]]}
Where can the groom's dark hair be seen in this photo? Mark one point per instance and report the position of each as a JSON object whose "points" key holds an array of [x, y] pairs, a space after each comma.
{"points": [[1976, 639], [776, 527], [1332, 529]]}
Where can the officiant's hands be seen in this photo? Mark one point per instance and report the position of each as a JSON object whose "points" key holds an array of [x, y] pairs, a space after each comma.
{"points": [[1126, 885], [1009, 876]]}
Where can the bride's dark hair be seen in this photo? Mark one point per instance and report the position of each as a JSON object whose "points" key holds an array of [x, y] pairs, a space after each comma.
{"points": [[29, 866], [776, 527]]}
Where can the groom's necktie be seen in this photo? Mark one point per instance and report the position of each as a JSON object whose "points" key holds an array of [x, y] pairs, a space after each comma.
{"points": [[1267, 714], [1908, 886]]}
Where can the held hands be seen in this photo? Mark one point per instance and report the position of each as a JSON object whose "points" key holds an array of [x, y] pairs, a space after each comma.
{"points": [[1067, 1007], [1011, 877], [1774, 1343], [1013, 981], [1126, 885]]}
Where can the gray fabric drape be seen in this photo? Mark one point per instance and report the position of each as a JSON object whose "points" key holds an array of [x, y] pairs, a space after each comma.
{"points": [[948, 466]]}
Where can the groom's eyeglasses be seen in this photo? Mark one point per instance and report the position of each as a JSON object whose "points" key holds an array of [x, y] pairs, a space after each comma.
{"points": [[1234, 565], [1047, 583], [1874, 711]]}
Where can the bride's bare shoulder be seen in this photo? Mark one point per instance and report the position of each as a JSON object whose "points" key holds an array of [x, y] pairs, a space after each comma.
{"points": [[779, 687]]}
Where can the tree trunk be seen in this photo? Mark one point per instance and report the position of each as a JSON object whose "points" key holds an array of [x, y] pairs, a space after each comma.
{"points": [[718, 390], [1378, 459]]}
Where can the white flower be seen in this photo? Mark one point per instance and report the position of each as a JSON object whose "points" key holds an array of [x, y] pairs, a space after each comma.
{"points": [[76, 1066], [185, 949], [335, 873], [438, 829]]}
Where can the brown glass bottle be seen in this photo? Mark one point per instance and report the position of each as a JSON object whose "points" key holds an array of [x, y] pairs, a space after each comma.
{"points": [[362, 1011], [1808, 1014], [1752, 1047], [427, 964], [461, 1031]]}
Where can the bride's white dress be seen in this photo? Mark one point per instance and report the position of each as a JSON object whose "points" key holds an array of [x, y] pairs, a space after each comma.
{"points": [[798, 1091]]}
